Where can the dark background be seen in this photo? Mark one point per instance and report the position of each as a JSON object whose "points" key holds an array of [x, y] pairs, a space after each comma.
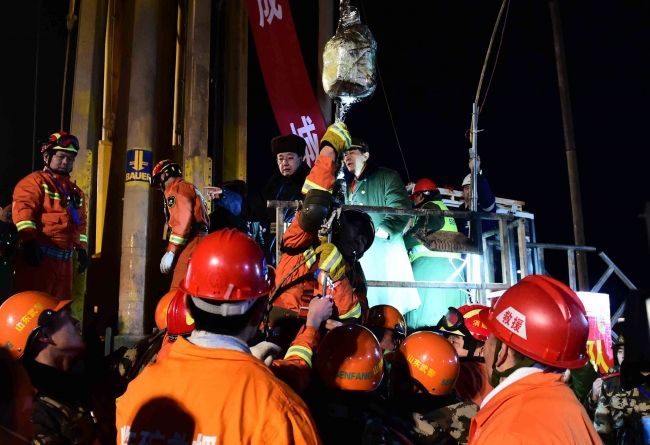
{"points": [[429, 63]]}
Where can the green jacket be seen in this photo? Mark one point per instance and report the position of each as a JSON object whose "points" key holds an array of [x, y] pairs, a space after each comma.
{"points": [[379, 186]]}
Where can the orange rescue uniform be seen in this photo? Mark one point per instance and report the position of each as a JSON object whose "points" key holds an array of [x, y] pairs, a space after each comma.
{"points": [[43, 207], [539, 409], [295, 273], [188, 221], [209, 396]]}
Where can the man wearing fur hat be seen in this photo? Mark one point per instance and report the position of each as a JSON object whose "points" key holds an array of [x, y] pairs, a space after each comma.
{"points": [[284, 185]]}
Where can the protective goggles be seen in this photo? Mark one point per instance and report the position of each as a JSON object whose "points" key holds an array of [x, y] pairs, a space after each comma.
{"points": [[453, 322]]}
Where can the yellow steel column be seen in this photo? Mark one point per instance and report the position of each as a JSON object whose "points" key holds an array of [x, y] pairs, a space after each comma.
{"points": [[86, 107], [235, 98], [198, 166]]}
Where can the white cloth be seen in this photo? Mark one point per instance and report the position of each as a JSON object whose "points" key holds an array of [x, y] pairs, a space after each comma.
{"points": [[512, 378], [217, 341], [387, 260]]}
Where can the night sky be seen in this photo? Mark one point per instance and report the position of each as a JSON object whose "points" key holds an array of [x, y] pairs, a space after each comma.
{"points": [[430, 64]]}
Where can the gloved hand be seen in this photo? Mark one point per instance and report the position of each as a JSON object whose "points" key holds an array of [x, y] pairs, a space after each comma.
{"points": [[381, 233], [32, 252], [338, 137], [266, 351], [82, 260], [331, 261], [166, 262]]}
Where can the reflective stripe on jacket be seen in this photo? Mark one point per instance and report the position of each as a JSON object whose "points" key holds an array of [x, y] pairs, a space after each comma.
{"points": [[212, 396], [187, 213], [41, 211]]}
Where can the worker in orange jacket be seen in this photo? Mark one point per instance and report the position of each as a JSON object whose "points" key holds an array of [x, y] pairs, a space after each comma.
{"points": [[310, 266], [210, 387], [538, 328], [186, 214], [49, 212]]}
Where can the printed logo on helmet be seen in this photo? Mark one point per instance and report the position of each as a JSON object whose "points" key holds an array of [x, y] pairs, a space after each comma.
{"points": [[514, 321], [422, 367], [171, 201]]}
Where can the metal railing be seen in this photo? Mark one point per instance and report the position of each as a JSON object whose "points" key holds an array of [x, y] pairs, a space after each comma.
{"points": [[515, 239]]}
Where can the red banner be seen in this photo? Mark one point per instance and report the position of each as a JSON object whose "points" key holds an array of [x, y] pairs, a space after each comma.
{"points": [[285, 76], [599, 344]]}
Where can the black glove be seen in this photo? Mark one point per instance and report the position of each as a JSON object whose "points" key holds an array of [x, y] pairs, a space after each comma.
{"points": [[82, 260], [32, 252]]}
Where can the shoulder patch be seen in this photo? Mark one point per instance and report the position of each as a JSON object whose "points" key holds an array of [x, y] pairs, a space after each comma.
{"points": [[171, 201]]}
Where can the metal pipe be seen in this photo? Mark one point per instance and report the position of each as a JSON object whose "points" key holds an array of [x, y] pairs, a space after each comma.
{"points": [[437, 284], [569, 142]]}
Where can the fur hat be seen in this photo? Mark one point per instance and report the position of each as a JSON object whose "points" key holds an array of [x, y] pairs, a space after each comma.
{"points": [[288, 143]]}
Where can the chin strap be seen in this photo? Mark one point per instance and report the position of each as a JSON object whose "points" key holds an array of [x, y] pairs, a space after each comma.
{"points": [[496, 376]]}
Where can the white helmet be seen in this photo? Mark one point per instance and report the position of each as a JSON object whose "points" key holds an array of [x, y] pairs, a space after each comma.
{"points": [[467, 180]]}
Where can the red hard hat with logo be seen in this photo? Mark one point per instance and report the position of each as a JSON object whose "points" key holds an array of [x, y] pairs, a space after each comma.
{"points": [[543, 319], [424, 185], [20, 316], [229, 266], [179, 319], [432, 361], [350, 358], [166, 165], [61, 141], [387, 317], [473, 324]]}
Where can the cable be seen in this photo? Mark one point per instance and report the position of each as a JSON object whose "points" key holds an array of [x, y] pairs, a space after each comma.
{"points": [[489, 50], [390, 113], [496, 58]]}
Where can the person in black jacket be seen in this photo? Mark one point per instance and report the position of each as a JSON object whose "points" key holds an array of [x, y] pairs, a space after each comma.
{"points": [[284, 185]]}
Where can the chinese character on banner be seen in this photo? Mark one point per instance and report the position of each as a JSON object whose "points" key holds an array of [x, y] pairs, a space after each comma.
{"points": [[308, 133], [599, 342], [268, 9]]}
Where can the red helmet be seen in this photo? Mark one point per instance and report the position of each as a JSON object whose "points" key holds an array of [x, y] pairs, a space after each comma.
{"points": [[20, 316], [387, 317], [160, 315], [227, 266], [349, 358], [543, 319], [179, 319], [424, 185], [61, 141], [166, 165], [432, 361], [473, 324]]}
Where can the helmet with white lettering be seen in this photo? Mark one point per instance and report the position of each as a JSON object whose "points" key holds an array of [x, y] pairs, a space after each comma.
{"points": [[350, 358], [543, 319]]}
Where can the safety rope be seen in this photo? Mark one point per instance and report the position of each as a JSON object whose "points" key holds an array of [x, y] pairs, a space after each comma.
{"points": [[71, 19]]}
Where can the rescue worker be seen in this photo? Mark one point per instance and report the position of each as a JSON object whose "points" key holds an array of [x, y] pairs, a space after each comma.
{"points": [[285, 184], [210, 386], [370, 185], [388, 325], [538, 328], [430, 265], [186, 214], [486, 201], [466, 332], [423, 404], [49, 212], [309, 266], [39, 331], [343, 397]]}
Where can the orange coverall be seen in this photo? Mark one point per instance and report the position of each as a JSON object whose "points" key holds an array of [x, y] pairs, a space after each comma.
{"points": [[41, 211], [209, 396], [298, 246], [540, 409], [188, 222]]}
